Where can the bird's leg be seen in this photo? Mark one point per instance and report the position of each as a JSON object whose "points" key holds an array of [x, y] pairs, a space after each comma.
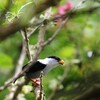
{"points": [[38, 88], [36, 85], [35, 82]]}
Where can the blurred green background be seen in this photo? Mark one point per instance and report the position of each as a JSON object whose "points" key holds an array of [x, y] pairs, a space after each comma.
{"points": [[78, 41]]}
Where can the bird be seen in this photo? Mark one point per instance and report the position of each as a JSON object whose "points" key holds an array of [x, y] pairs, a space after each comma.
{"points": [[42, 65]]}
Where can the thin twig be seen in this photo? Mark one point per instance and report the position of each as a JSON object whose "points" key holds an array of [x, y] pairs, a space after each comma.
{"points": [[26, 39], [21, 59], [31, 31], [42, 94], [56, 33], [41, 85]]}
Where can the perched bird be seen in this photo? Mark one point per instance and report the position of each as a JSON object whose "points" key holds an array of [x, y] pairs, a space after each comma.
{"points": [[44, 65]]}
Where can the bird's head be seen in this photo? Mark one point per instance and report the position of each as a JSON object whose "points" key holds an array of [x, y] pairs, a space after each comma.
{"points": [[54, 61]]}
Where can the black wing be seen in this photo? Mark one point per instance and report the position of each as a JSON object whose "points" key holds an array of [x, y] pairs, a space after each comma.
{"points": [[36, 67]]}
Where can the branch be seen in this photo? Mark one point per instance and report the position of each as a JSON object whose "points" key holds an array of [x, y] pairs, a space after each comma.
{"points": [[56, 33], [19, 88], [41, 86], [38, 89], [16, 25], [26, 40], [24, 18], [18, 68], [42, 31], [39, 48], [36, 54]]}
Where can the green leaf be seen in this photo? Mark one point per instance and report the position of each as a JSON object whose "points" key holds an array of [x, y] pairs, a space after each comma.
{"points": [[5, 61]]}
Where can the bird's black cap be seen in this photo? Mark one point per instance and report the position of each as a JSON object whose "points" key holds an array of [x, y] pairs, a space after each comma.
{"points": [[55, 57]]}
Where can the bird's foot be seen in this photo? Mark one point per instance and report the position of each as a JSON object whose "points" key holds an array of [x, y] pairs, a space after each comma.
{"points": [[36, 82]]}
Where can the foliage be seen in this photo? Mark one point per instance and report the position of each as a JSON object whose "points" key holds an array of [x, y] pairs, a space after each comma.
{"points": [[78, 41]]}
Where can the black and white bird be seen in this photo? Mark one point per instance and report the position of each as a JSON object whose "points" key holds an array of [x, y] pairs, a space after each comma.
{"points": [[44, 65]]}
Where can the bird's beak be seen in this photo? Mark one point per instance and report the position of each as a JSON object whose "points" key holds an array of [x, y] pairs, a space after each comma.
{"points": [[61, 62]]}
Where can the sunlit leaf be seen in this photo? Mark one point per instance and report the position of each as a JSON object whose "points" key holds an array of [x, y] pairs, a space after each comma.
{"points": [[5, 61]]}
